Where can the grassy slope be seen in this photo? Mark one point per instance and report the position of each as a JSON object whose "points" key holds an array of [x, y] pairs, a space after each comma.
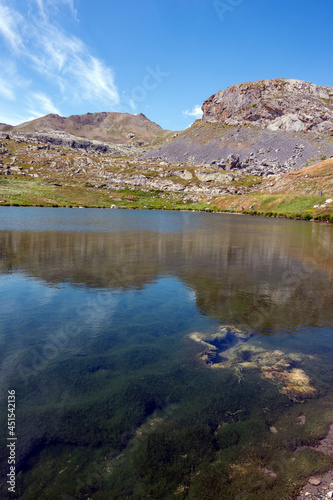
{"points": [[291, 195], [31, 192]]}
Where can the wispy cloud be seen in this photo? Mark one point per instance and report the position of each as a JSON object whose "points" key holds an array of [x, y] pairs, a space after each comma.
{"points": [[47, 7], [10, 81], [62, 60], [10, 22], [196, 112], [70, 3], [132, 104], [40, 5], [66, 60], [6, 90], [93, 81], [41, 105]]}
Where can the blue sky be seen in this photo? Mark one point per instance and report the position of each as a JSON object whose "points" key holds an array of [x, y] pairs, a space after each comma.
{"points": [[159, 58]]}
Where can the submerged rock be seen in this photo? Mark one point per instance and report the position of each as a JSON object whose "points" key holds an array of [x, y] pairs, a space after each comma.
{"points": [[227, 348], [225, 341]]}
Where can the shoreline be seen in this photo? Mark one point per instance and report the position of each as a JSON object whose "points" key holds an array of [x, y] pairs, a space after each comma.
{"points": [[206, 210], [321, 486]]}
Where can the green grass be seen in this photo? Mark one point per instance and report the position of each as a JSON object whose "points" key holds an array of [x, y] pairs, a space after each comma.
{"points": [[247, 181], [32, 192], [287, 205], [299, 203], [89, 190]]}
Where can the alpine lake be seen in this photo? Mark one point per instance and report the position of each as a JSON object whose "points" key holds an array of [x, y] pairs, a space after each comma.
{"points": [[164, 355]]}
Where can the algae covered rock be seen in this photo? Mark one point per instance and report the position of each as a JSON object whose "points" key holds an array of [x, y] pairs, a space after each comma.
{"points": [[225, 340], [228, 348]]}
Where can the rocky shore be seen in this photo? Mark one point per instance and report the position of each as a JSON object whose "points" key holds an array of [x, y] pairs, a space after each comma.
{"points": [[320, 487]]}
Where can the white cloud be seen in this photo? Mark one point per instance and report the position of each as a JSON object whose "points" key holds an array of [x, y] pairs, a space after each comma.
{"points": [[132, 104], [57, 52], [38, 105], [70, 3], [68, 61], [40, 5], [61, 58], [196, 112], [95, 80], [10, 81], [10, 21], [47, 7], [41, 105], [6, 89], [11, 118]]}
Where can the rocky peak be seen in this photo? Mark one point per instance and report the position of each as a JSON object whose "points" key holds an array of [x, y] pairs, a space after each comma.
{"points": [[111, 127], [4, 126], [279, 104]]}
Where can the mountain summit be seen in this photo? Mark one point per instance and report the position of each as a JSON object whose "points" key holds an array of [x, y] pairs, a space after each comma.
{"points": [[116, 128], [263, 127], [279, 104]]}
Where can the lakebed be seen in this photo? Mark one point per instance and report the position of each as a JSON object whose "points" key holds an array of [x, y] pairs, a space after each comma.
{"points": [[107, 319]]}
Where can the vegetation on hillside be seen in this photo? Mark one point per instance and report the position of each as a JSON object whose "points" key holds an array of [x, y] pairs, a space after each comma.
{"points": [[48, 176]]}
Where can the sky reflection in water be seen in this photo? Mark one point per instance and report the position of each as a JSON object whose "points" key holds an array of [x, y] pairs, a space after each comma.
{"points": [[98, 304]]}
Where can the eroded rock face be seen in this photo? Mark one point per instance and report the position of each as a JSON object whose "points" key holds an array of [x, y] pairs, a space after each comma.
{"points": [[280, 104], [67, 140]]}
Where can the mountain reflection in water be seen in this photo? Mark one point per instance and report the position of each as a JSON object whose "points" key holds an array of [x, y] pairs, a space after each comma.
{"points": [[270, 274], [99, 309]]}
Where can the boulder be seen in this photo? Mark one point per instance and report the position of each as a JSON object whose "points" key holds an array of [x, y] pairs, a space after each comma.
{"points": [[213, 176], [233, 162]]}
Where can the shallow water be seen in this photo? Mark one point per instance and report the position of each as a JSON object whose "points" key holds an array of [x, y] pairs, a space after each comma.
{"points": [[112, 399]]}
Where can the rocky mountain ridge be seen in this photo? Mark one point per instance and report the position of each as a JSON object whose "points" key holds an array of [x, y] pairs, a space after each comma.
{"points": [[279, 104], [114, 128], [267, 127], [4, 126], [262, 128], [59, 163]]}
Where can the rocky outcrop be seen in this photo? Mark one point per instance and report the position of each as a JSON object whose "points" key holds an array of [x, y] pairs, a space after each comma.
{"points": [[60, 157], [279, 104], [267, 127], [245, 149], [213, 176], [69, 141]]}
